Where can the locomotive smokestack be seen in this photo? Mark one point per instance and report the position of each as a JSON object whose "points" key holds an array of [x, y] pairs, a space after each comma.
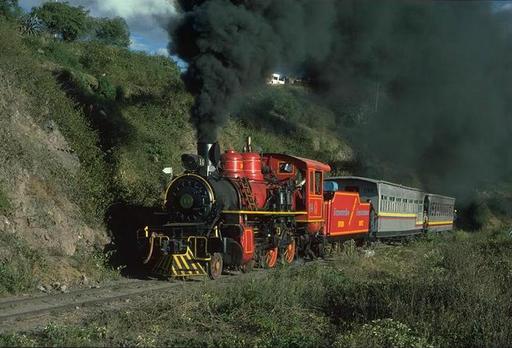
{"points": [[210, 153], [203, 150]]}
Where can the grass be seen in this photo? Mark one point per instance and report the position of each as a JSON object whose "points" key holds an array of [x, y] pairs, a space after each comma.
{"points": [[20, 265], [447, 290], [5, 204], [95, 264]]}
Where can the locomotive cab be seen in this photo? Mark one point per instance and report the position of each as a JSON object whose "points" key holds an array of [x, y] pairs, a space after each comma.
{"points": [[307, 176]]}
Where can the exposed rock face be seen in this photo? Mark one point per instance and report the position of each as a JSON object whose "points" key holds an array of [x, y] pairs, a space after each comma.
{"points": [[37, 167]]}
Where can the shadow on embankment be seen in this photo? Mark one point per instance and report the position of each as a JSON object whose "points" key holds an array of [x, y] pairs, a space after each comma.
{"points": [[123, 222]]}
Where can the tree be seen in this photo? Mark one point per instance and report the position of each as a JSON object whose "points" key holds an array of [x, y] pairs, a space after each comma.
{"points": [[9, 8], [113, 31], [65, 20]]}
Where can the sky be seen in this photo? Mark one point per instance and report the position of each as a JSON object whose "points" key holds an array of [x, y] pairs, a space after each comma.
{"points": [[146, 19]]}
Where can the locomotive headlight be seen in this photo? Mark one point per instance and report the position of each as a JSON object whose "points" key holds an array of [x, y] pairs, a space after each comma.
{"points": [[186, 201]]}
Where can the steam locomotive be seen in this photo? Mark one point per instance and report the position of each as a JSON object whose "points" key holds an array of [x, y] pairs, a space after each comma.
{"points": [[242, 209]]}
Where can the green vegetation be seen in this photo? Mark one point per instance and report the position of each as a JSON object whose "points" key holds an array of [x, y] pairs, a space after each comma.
{"points": [[9, 9], [95, 264], [19, 265], [5, 204], [62, 19], [286, 119], [446, 290], [112, 31], [48, 102]]}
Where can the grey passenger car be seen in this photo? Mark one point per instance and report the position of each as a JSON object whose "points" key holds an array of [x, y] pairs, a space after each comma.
{"points": [[399, 210]]}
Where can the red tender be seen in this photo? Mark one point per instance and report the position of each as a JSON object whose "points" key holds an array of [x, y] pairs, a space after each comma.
{"points": [[346, 215]]}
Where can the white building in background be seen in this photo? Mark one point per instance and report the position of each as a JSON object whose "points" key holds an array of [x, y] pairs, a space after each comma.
{"points": [[277, 79]]}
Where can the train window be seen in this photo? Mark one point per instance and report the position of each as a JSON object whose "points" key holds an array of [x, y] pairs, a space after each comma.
{"points": [[311, 182], [318, 183], [285, 168]]}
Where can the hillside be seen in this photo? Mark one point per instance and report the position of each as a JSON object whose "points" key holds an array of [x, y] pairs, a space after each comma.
{"points": [[86, 130]]}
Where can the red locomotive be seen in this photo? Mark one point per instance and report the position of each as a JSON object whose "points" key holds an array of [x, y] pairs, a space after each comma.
{"points": [[239, 209]]}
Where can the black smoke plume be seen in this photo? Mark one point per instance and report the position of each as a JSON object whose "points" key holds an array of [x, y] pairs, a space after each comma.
{"points": [[431, 81], [436, 80], [231, 46]]}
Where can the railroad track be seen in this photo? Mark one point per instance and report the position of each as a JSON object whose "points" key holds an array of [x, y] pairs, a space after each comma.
{"points": [[22, 313], [18, 310], [14, 311]]}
